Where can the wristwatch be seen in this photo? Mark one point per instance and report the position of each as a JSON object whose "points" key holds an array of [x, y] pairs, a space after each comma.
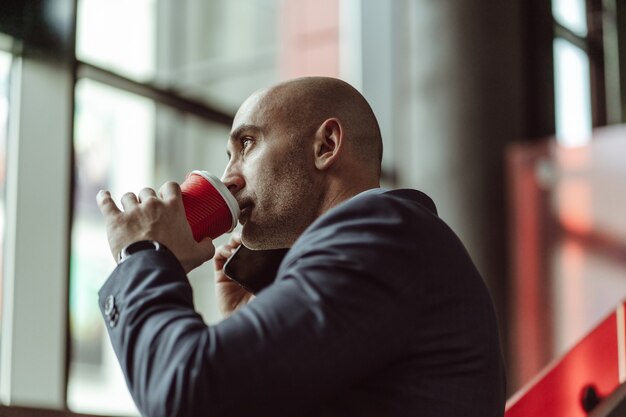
{"points": [[139, 246]]}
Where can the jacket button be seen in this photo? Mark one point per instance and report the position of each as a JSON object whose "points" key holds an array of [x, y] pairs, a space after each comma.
{"points": [[113, 319], [109, 306]]}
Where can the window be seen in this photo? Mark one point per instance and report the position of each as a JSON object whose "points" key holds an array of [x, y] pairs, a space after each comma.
{"points": [[217, 51], [588, 67], [571, 73], [114, 147], [125, 139], [571, 14], [118, 35], [118, 148], [573, 107], [5, 67]]}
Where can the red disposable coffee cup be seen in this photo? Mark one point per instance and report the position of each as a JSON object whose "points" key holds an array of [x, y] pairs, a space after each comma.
{"points": [[210, 208]]}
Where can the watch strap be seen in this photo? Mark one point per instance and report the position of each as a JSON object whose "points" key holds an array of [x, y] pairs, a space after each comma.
{"points": [[138, 246]]}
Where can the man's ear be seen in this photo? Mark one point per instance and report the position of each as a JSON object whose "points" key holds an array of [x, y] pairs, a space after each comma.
{"points": [[328, 143]]}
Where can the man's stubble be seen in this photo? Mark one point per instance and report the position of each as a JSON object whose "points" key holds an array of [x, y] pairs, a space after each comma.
{"points": [[286, 205]]}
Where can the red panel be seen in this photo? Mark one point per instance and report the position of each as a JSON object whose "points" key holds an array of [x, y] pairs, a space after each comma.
{"points": [[556, 392]]}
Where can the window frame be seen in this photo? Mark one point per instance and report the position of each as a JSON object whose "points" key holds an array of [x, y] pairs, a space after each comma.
{"points": [[601, 15], [36, 349]]}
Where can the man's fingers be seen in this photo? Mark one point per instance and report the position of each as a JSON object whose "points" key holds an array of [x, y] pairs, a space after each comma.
{"points": [[129, 200], [234, 242], [106, 204], [236, 238], [224, 252], [145, 194], [170, 190]]}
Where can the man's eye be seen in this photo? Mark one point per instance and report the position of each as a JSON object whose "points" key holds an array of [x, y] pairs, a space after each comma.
{"points": [[245, 142]]}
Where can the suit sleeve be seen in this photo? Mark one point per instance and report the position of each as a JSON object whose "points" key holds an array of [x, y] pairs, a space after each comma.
{"points": [[330, 319]]}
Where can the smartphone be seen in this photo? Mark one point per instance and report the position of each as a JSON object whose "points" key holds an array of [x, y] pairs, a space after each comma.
{"points": [[254, 269]]}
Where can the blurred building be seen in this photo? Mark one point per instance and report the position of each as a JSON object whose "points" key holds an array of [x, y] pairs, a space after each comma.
{"points": [[496, 109]]}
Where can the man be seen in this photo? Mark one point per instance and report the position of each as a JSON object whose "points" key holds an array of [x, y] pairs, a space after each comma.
{"points": [[376, 309]]}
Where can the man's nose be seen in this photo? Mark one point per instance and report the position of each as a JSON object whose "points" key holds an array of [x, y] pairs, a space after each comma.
{"points": [[233, 181]]}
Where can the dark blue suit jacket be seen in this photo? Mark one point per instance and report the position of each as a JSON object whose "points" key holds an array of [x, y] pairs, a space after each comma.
{"points": [[377, 310]]}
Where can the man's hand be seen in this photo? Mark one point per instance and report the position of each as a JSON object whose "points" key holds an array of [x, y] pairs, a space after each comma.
{"points": [[151, 217], [230, 295]]}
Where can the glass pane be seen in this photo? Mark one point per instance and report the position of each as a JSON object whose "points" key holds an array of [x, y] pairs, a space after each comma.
{"points": [[118, 35], [123, 143], [572, 94], [572, 14], [113, 143], [5, 67], [215, 50]]}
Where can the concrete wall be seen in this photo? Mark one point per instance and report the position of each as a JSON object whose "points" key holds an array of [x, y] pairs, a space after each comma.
{"points": [[458, 100]]}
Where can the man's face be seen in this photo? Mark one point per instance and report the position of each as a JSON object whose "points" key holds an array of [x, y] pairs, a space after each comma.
{"points": [[270, 173]]}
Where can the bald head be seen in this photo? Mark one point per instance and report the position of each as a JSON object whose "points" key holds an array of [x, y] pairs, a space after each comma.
{"points": [[301, 105], [295, 151]]}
